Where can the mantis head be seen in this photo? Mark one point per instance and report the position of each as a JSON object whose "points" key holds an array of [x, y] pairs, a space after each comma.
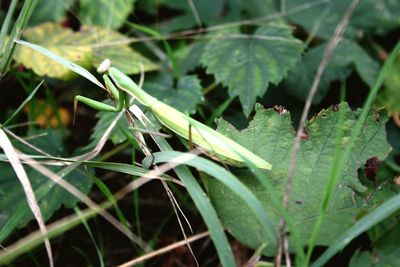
{"points": [[104, 66]]}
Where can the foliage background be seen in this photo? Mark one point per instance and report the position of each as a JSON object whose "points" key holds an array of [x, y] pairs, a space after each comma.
{"points": [[212, 59]]}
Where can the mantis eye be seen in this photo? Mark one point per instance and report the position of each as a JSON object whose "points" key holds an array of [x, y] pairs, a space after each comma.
{"points": [[104, 66]]}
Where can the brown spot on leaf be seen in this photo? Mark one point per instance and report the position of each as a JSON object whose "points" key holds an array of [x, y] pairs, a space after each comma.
{"points": [[336, 107], [396, 118], [304, 134], [65, 24], [299, 202], [371, 168], [377, 116], [20, 68], [382, 54], [396, 180], [281, 110]]}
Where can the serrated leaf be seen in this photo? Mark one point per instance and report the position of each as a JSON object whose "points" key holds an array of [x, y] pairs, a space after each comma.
{"points": [[14, 211], [184, 96], [112, 45], [248, 63], [105, 13], [50, 11], [189, 56], [389, 98], [270, 135], [370, 16], [221, 11], [61, 41], [348, 56]]}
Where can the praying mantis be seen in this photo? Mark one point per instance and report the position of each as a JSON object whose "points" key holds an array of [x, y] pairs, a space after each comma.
{"points": [[121, 87]]}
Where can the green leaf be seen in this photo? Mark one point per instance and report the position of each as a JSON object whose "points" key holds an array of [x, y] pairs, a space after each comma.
{"points": [[271, 136], [190, 55], [385, 251], [112, 45], [259, 8], [105, 13], [104, 120], [150, 6], [221, 11], [348, 56], [203, 205], [225, 177], [184, 95], [61, 41], [379, 214], [50, 11], [377, 193], [370, 16], [248, 63], [389, 98], [14, 211]]}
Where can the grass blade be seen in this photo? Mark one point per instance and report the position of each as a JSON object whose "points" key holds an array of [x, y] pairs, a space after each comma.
{"points": [[27, 187], [6, 24], [204, 206], [20, 24], [30, 96], [108, 194], [371, 219], [55, 229], [87, 227], [344, 157], [226, 178], [66, 63]]}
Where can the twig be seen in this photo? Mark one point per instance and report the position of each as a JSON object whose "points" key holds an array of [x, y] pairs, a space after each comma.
{"points": [[90, 203], [198, 33], [27, 143], [195, 14], [164, 249], [15, 162], [333, 42], [283, 7], [17, 246]]}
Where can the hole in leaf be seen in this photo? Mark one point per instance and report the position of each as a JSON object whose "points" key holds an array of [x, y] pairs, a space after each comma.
{"points": [[371, 168]]}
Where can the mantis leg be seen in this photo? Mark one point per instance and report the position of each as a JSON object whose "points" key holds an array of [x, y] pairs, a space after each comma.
{"points": [[115, 94], [94, 104]]}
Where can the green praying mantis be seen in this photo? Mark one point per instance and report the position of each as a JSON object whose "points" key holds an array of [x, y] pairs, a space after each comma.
{"points": [[120, 87]]}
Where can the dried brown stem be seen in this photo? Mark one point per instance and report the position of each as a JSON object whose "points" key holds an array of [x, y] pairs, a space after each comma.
{"points": [[333, 42], [165, 249]]}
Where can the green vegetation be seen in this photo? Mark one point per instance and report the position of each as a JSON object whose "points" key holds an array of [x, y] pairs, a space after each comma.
{"points": [[302, 168]]}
